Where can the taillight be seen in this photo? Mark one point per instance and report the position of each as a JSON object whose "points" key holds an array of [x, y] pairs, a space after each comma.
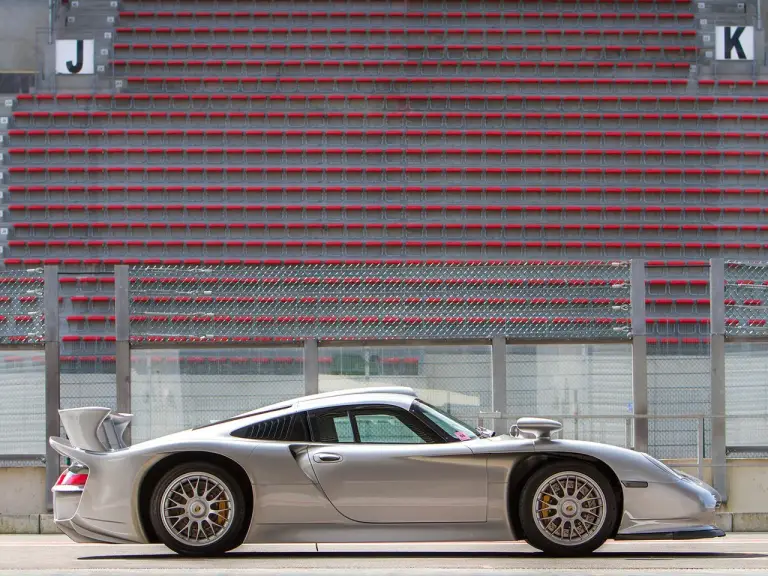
{"points": [[69, 478]]}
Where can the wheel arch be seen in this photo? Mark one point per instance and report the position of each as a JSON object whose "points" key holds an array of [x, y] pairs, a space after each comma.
{"points": [[158, 470], [525, 469]]}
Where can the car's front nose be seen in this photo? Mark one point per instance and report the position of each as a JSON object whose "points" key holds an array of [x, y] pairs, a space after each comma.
{"points": [[683, 508]]}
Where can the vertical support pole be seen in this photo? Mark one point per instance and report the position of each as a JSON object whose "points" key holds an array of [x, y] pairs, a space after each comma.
{"points": [[311, 367], [52, 378], [700, 440], [123, 342], [717, 373], [499, 383], [639, 355]]}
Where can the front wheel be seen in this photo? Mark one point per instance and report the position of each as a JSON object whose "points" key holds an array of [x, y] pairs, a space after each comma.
{"points": [[198, 509], [567, 509]]}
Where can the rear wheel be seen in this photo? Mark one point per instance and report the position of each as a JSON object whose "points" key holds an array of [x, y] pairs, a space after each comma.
{"points": [[567, 509], [198, 509]]}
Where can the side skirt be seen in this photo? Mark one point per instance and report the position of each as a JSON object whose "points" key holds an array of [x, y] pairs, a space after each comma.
{"points": [[682, 535]]}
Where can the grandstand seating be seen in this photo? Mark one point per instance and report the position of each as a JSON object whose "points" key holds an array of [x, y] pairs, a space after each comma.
{"points": [[248, 132]]}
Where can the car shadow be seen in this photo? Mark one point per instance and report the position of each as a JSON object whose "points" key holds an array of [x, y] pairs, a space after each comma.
{"points": [[532, 554]]}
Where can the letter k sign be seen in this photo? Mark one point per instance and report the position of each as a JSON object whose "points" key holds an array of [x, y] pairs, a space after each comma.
{"points": [[735, 43], [732, 42]]}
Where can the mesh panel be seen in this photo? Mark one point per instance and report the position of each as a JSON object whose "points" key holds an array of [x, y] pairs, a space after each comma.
{"points": [[21, 306], [573, 382], [22, 402], [746, 298], [240, 303], [678, 384], [455, 378], [746, 393], [172, 390]]}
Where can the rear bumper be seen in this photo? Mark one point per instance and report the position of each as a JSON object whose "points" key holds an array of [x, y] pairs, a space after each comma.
{"points": [[698, 534], [66, 506]]}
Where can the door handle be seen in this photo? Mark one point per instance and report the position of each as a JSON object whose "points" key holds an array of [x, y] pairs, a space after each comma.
{"points": [[324, 457]]}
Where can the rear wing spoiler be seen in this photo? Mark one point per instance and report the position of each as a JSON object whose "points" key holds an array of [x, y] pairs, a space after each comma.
{"points": [[95, 429]]}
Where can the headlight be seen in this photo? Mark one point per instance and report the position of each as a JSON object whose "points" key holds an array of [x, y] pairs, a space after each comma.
{"points": [[662, 466]]}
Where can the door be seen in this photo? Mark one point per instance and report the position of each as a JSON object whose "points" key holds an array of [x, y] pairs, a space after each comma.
{"points": [[383, 465]]}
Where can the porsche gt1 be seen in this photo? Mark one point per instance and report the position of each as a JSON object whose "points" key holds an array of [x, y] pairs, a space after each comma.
{"points": [[364, 465]]}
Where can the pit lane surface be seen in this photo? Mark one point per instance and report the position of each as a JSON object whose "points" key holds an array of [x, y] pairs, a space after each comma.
{"points": [[49, 555]]}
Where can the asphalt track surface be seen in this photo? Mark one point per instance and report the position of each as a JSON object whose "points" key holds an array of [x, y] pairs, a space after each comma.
{"points": [[49, 555]]}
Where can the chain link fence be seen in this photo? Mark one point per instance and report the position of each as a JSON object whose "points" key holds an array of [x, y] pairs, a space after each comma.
{"points": [[573, 380], [678, 385], [746, 394], [22, 403], [746, 298], [22, 367], [584, 300], [21, 307]]}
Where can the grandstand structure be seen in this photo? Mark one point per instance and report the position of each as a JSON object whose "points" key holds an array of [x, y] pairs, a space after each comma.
{"points": [[251, 132]]}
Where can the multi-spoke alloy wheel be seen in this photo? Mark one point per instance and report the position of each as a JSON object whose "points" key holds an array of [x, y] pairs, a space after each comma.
{"points": [[567, 508], [198, 509]]}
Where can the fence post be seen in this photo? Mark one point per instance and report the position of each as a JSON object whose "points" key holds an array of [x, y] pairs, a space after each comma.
{"points": [[122, 342], [639, 354], [499, 383], [311, 367], [52, 377], [717, 373]]}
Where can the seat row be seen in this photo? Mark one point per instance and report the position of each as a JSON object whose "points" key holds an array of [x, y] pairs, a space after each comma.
{"points": [[411, 174], [656, 302], [436, 235], [203, 124], [193, 50], [386, 137], [395, 85], [378, 5], [324, 192], [369, 35], [108, 262], [395, 247], [80, 282], [328, 156], [415, 18], [561, 65], [360, 105], [275, 216]]}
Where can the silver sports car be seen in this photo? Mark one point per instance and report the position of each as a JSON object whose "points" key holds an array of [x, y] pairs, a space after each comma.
{"points": [[365, 465]]}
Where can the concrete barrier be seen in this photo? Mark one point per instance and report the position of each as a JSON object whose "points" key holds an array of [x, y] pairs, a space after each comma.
{"points": [[19, 523]]}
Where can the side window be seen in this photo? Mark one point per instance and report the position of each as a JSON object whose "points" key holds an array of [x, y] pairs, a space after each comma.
{"points": [[333, 426], [288, 428], [385, 428], [370, 425]]}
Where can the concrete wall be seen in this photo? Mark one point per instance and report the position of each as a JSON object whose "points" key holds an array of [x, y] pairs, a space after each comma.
{"points": [[19, 22], [23, 490]]}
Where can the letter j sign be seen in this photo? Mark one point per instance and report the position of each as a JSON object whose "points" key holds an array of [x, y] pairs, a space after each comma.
{"points": [[74, 56], [735, 43]]}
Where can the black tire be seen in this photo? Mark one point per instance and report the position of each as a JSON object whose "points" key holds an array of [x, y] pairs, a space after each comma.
{"points": [[584, 542], [231, 537]]}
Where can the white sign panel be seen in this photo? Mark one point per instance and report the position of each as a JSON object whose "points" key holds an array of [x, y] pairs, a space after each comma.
{"points": [[735, 43], [74, 56]]}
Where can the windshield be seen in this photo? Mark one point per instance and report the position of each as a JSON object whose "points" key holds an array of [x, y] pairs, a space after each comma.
{"points": [[455, 428]]}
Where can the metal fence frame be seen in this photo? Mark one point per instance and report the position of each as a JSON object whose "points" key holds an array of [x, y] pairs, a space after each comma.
{"points": [[498, 344]]}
